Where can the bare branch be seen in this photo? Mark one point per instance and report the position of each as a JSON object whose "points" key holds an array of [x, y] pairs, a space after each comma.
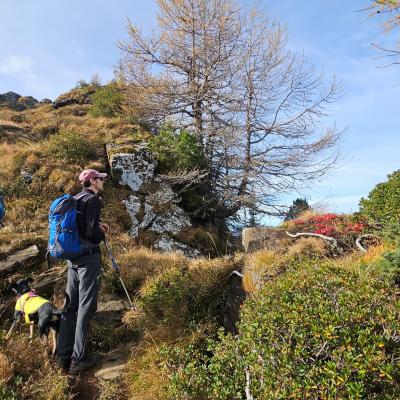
{"points": [[361, 238], [328, 238]]}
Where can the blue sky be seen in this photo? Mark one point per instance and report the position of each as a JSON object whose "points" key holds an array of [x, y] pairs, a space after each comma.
{"points": [[47, 46]]}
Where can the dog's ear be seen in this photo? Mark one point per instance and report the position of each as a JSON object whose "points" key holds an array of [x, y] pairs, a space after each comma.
{"points": [[14, 287], [29, 280]]}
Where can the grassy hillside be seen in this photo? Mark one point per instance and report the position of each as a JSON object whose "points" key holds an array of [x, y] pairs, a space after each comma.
{"points": [[317, 323]]}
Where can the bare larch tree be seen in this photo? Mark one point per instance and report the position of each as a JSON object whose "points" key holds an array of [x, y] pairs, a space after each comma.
{"points": [[255, 108], [389, 11]]}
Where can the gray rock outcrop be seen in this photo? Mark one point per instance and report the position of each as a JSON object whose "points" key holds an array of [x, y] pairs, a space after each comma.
{"points": [[153, 206], [11, 133], [20, 259], [17, 102], [76, 96], [262, 238]]}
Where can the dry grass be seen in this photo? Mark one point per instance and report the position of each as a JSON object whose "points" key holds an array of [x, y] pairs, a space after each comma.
{"points": [[134, 319], [261, 266], [204, 272], [112, 390], [6, 369], [139, 264], [207, 240], [41, 379], [145, 377], [307, 247], [12, 240], [27, 206]]}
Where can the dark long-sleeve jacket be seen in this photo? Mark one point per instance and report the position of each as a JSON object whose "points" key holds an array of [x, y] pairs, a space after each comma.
{"points": [[88, 219]]}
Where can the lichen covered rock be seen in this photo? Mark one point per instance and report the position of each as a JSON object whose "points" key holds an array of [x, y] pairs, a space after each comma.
{"points": [[132, 169], [153, 205], [166, 244]]}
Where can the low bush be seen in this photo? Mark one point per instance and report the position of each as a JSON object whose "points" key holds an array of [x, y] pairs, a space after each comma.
{"points": [[176, 150], [72, 147], [391, 232], [317, 331], [344, 228], [383, 202], [185, 295], [107, 101]]}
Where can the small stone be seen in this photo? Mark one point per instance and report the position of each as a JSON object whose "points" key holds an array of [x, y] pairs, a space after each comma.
{"points": [[111, 370]]}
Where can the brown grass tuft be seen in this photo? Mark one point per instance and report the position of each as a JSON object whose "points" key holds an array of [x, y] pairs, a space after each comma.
{"points": [[308, 247], [41, 379], [261, 266], [6, 369], [138, 264], [376, 252]]}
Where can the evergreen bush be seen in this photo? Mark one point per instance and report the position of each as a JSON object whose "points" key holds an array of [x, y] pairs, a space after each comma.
{"points": [[71, 147], [383, 202], [176, 150], [106, 101], [318, 331]]}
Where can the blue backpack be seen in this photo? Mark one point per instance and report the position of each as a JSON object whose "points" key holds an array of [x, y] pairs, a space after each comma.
{"points": [[64, 241], [2, 209]]}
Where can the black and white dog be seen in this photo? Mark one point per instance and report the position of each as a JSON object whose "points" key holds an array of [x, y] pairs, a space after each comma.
{"points": [[36, 309]]}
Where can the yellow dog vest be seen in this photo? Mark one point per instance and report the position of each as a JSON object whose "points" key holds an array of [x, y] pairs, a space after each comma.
{"points": [[29, 303]]}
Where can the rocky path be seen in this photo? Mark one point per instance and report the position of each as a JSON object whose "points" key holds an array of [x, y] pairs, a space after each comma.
{"points": [[111, 366]]}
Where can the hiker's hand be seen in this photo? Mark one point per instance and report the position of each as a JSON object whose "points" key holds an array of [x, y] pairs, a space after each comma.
{"points": [[104, 227]]}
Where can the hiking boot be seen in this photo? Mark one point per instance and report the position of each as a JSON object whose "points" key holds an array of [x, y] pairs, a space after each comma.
{"points": [[78, 367], [64, 363]]}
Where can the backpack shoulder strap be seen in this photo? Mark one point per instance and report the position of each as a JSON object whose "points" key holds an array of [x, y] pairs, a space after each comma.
{"points": [[81, 195]]}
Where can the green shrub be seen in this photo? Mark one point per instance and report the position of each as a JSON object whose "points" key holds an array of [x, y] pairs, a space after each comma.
{"points": [[191, 294], [389, 266], [391, 232], [176, 150], [107, 101], [71, 147], [165, 295], [16, 187], [317, 332], [383, 202]]}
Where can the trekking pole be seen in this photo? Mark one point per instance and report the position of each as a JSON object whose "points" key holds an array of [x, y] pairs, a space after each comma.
{"points": [[118, 270]]}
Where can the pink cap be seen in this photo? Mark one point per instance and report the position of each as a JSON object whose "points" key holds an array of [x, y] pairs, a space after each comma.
{"points": [[88, 174]]}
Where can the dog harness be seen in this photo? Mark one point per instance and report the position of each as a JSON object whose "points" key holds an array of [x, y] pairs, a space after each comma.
{"points": [[29, 303]]}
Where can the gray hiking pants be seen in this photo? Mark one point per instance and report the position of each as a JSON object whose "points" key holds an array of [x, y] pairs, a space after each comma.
{"points": [[82, 286]]}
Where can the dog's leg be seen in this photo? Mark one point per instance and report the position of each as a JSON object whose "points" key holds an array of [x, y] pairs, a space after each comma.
{"points": [[31, 327], [12, 328], [54, 338]]}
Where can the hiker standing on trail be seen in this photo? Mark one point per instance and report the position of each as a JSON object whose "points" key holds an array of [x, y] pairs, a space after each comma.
{"points": [[83, 276]]}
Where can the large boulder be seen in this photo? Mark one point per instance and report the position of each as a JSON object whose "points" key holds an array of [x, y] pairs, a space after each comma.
{"points": [[263, 237], [75, 96], [11, 133], [21, 259], [153, 205]]}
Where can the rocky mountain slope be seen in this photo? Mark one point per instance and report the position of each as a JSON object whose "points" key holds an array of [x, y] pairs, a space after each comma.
{"points": [[294, 317]]}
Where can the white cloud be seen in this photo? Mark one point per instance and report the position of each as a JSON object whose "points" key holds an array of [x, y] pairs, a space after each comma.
{"points": [[16, 64]]}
